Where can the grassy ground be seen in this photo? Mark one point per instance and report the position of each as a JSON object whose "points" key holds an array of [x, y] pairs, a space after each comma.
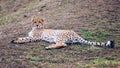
{"points": [[93, 20]]}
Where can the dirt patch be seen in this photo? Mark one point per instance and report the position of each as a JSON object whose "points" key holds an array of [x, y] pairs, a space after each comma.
{"points": [[7, 7]]}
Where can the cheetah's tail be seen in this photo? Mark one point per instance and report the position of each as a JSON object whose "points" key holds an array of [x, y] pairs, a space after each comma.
{"points": [[109, 44]]}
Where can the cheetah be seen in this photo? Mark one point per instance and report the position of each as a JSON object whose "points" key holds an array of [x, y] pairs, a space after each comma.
{"points": [[58, 38]]}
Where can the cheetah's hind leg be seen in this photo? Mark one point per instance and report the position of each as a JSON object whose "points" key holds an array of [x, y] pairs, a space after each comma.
{"points": [[57, 45]]}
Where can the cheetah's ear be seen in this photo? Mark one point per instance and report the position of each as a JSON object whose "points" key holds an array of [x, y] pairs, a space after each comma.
{"points": [[32, 19], [42, 19]]}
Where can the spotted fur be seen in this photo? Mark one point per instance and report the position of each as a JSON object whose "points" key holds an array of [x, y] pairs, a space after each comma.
{"points": [[60, 38]]}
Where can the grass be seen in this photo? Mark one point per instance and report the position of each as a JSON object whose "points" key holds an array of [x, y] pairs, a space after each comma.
{"points": [[95, 22], [101, 63], [110, 57], [6, 60], [94, 34], [96, 62], [14, 53], [89, 49], [5, 19], [92, 48], [114, 21], [17, 60], [114, 29], [33, 58], [8, 18], [71, 59]]}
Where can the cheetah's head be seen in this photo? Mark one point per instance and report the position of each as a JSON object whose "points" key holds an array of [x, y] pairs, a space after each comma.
{"points": [[38, 23]]}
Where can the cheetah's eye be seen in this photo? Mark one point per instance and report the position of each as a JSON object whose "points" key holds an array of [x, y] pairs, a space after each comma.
{"points": [[39, 21]]}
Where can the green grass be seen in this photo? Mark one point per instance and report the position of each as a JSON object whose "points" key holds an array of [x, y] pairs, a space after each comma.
{"points": [[6, 60], [14, 53], [50, 65], [113, 29], [95, 22], [99, 62], [110, 57], [33, 58], [6, 19], [94, 34], [114, 21], [71, 59], [17, 60], [90, 49]]}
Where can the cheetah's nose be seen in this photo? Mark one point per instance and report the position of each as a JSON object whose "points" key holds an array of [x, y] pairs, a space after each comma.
{"points": [[37, 26]]}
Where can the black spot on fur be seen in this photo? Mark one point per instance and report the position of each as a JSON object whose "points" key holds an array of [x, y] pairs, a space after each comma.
{"points": [[12, 41], [69, 42]]}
